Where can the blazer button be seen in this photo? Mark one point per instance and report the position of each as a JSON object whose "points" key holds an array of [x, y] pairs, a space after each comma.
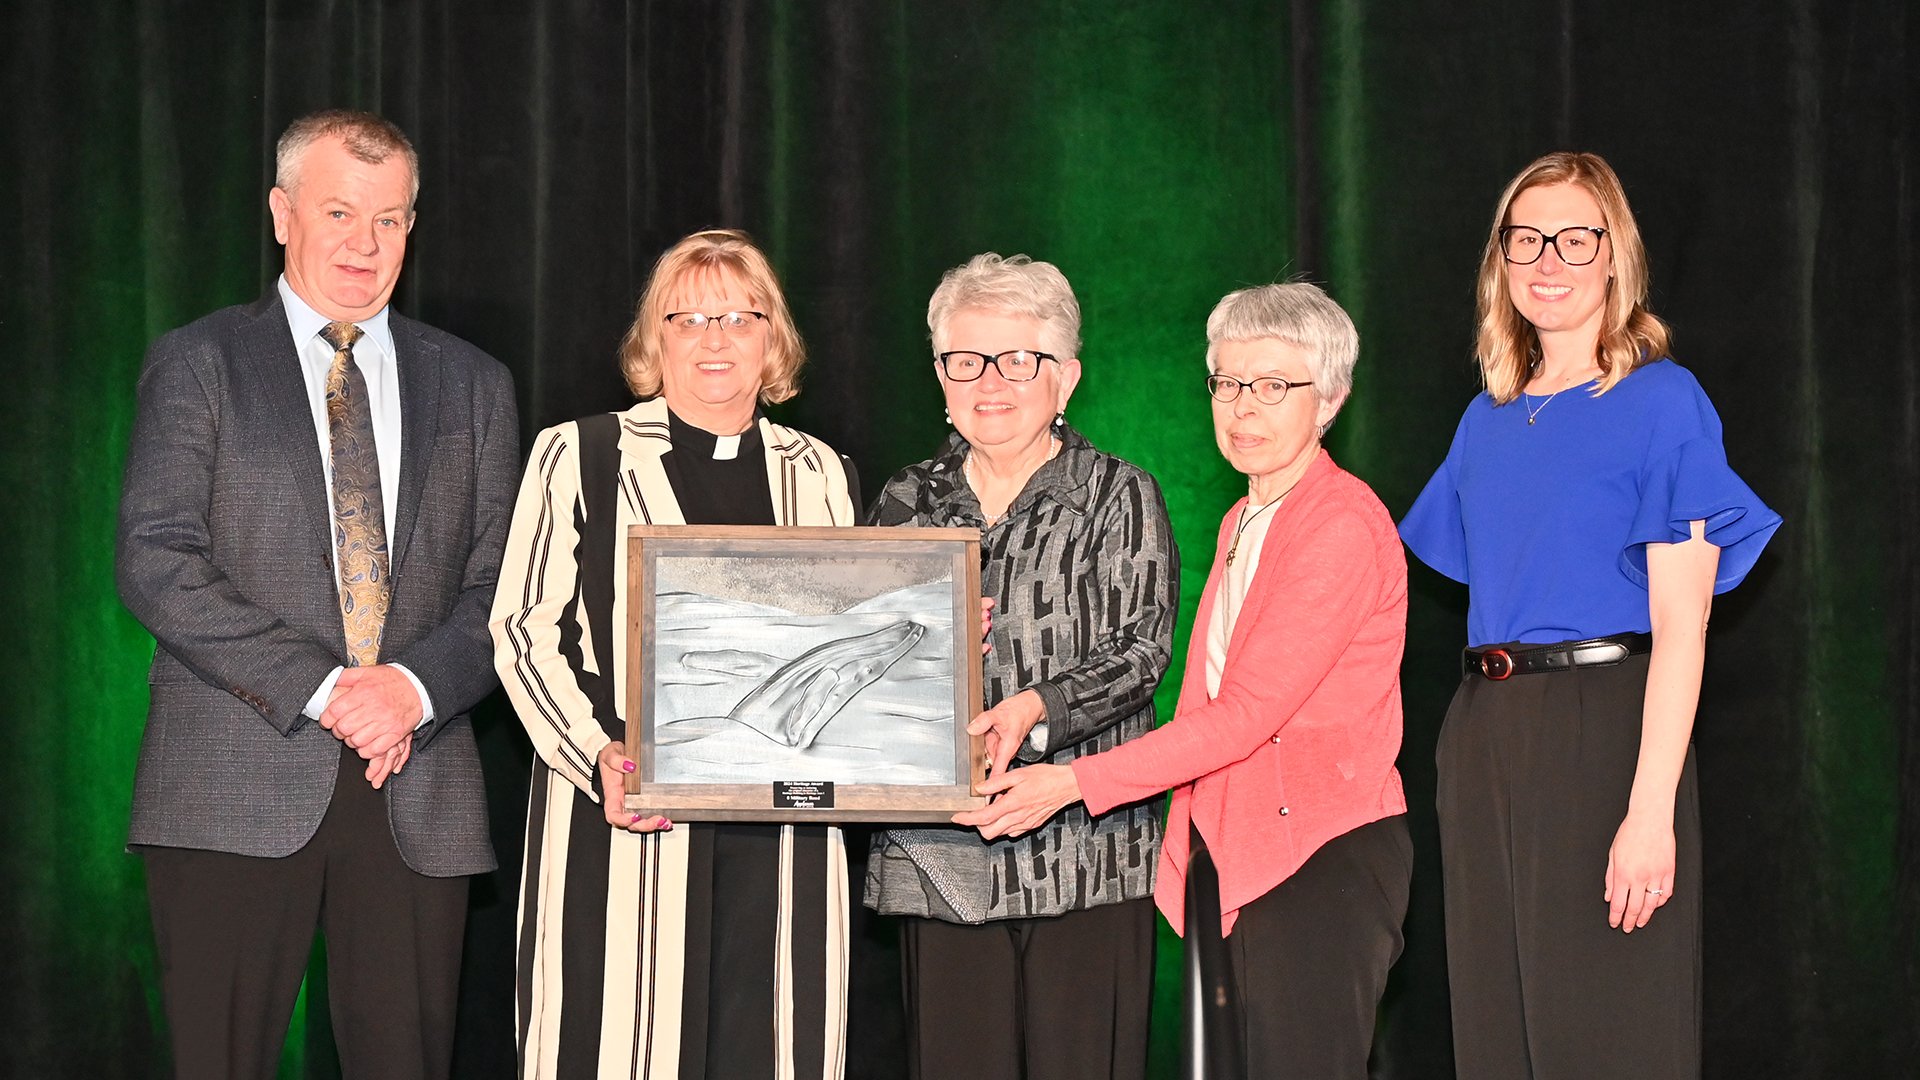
{"points": [[1275, 740], [1283, 811]]}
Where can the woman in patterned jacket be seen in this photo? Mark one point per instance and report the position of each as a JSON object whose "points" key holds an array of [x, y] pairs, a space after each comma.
{"points": [[1034, 957]]}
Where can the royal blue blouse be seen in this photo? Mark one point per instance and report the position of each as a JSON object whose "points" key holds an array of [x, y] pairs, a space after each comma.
{"points": [[1547, 524]]}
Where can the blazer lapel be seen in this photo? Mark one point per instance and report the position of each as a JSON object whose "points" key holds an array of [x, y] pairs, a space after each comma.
{"points": [[268, 347], [645, 438], [794, 478], [419, 371]]}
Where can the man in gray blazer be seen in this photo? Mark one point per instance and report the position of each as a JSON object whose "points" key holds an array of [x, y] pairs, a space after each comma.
{"points": [[316, 499]]}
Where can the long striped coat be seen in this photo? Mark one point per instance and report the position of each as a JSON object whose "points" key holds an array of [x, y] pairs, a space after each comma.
{"points": [[605, 912]]}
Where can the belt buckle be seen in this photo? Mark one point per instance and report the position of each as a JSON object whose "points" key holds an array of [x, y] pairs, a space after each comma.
{"points": [[1496, 665]]}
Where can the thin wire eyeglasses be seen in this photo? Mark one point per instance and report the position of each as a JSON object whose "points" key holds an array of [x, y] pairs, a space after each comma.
{"points": [[1014, 365], [1225, 389], [1577, 245], [732, 323]]}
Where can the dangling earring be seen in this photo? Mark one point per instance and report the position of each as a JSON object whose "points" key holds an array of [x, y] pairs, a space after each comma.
{"points": [[1059, 419], [947, 415]]}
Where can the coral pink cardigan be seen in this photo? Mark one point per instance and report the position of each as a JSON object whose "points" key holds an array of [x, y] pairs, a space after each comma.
{"points": [[1299, 746]]}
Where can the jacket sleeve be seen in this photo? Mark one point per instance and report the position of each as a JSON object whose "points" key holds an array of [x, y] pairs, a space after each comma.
{"points": [[1134, 596], [163, 561], [451, 661], [1318, 596], [538, 579]]}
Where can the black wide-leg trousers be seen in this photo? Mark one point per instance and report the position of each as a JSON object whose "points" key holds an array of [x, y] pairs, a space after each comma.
{"points": [[1310, 957], [1062, 997], [1535, 773], [233, 934]]}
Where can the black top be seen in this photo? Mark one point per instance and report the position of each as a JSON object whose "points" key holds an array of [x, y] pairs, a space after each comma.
{"points": [[718, 492]]}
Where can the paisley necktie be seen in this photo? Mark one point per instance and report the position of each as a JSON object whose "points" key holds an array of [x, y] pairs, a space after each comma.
{"points": [[359, 518]]}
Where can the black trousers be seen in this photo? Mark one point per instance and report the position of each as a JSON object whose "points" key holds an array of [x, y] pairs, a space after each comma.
{"points": [[233, 933], [1535, 773], [1310, 958], [1065, 997]]}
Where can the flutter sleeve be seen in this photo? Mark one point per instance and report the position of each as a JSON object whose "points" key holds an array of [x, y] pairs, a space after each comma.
{"points": [[1686, 478], [1434, 530]]}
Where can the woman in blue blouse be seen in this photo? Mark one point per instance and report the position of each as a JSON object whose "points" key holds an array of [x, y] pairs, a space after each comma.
{"points": [[1587, 503]]}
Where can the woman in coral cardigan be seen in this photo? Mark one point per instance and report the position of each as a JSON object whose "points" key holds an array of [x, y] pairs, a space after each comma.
{"points": [[1280, 754]]}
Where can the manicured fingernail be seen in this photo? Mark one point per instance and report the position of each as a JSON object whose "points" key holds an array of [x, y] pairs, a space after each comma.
{"points": [[665, 825], [625, 765], [633, 819]]}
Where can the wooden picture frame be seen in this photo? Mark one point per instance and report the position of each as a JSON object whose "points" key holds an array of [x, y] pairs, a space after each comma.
{"points": [[785, 674]]}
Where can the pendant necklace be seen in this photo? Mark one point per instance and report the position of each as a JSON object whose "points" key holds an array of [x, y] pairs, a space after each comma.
{"points": [[1533, 413], [1234, 548], [1526, 402], [1246, 519]]}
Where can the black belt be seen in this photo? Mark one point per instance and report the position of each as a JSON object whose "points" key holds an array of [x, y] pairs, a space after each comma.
{"points": [[1503, 663]]}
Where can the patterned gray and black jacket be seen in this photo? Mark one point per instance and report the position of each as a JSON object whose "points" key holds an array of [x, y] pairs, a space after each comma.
{"points": [[1085, 581]]}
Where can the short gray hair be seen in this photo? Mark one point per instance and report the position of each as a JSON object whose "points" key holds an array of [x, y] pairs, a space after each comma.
{"points": [[1298, 314], [369, 137], [1017, 286]]}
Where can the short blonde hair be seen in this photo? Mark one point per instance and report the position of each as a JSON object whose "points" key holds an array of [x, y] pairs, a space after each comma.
{"points": [[1630, 335], [1015, 285], [711, 253]]}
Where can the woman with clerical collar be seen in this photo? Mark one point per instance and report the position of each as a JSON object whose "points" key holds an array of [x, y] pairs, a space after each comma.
{"points": [[645, 947]]}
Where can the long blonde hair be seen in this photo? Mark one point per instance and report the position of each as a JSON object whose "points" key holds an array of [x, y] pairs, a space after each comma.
{"points": [[1508, 346]]}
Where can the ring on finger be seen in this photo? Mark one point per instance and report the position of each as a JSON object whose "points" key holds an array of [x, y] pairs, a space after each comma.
{"points": [[1655, 891]]}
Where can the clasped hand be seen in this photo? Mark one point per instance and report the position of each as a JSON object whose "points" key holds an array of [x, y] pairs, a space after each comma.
{"points": [[374, 709]]}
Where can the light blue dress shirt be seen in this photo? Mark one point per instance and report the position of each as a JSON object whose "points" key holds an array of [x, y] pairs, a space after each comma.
{"points": [[374, 355]]}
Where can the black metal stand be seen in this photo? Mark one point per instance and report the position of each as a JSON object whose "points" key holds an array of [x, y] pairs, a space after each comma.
{"points": [[1210, 1048]]}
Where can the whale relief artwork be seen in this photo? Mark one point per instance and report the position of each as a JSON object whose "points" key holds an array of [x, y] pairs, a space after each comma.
{"points": [[843, 673]]}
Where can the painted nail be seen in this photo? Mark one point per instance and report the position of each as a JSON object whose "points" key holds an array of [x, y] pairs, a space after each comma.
{"points": [[626, 766], [665, 825], [633, 819]]}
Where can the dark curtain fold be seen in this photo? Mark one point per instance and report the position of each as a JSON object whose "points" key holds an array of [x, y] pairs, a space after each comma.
{"points": [[1162, 154]]}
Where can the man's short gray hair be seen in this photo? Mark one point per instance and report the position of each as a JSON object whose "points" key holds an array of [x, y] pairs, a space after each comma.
{"points": [[369, 137], [1299, 314], [1016, 286]]}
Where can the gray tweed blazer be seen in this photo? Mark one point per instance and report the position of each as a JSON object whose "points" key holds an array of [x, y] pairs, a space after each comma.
{"points": [[223, 556]]}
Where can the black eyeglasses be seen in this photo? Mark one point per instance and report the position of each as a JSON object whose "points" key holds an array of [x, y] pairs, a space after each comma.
{"points": [[1225, 389], [1576, 245], [693, 324], [1014, 365]]}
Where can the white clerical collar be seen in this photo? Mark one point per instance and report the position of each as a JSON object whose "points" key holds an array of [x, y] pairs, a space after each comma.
{"points": [[726, 447]]}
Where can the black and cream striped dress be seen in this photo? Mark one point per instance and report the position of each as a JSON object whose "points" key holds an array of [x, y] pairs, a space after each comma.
{"points": [[710, 950]]}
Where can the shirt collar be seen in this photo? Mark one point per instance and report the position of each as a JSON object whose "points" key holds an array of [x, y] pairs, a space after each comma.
{"points": [[1065, 479], [306, 323]]}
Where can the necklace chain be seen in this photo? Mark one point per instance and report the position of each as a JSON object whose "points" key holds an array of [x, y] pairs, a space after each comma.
{"points": [[1526, 401], [1245, 520], [1534, 413], [1233, 549]]}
